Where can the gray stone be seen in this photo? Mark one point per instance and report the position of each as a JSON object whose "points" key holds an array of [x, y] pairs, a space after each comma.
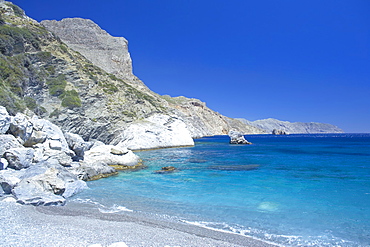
{"points": [[21, 127], [55, 145], [19, 158], [119, 150], [31, 193], [5, 120], [9, 179], [53, 133], [47, 183], [77, 144], [8, 142], [237, 138], [3, 164], [92, 171], [35, 138], [62, 157]]}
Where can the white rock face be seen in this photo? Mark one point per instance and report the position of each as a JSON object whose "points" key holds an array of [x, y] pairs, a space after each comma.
{"points": [[111, 155], [4, 120], [108, 52], [157, 131]]}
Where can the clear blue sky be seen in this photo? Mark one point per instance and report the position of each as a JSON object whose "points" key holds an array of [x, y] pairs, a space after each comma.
{"points": [[294, 60]]}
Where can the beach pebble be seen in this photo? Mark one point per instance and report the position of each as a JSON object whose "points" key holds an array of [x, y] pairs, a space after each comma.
{"points": [[118, 244]]}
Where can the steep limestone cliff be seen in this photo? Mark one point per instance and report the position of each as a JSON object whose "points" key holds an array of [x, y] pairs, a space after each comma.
{"points": [[40, 74], [111, 54], [293, 128], [105, 51]]}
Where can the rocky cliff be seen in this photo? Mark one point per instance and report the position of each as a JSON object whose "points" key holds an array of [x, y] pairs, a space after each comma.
{"points": [[111, 54], [271, 124]]}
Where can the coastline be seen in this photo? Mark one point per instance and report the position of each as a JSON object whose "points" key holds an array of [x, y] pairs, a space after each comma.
{"points": [[77, 224]]}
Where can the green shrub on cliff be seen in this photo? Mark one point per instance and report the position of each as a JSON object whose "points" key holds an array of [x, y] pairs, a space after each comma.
{"points": [[57, 85], [70, 99], [13, 40]]}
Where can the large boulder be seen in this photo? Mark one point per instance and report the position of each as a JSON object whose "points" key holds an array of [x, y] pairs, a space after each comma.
{"points": [[5, 120], [77, 144], [21, 127], [157, 131], [9, 179], [30, 193], [92, 171], [115, 156], [19, 158], [47, 183], [237, 138], [8, 142], [54, 135]]}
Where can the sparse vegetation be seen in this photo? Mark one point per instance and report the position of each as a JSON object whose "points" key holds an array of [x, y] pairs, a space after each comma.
{"points": [[70, 99], [30, 103], [57, 85], [17, 11], [13, 40], [108, 87]]}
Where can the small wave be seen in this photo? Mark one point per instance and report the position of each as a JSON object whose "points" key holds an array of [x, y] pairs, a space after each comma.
{"points": [[114, 209], [274, 239], [102, 208]]}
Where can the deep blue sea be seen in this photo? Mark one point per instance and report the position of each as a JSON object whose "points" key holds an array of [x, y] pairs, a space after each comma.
{"points": [[295, 190]]}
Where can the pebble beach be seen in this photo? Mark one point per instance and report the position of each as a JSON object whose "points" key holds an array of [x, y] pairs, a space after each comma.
{"points": [[75, 225]]}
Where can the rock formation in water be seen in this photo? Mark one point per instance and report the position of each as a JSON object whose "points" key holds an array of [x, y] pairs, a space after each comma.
{"points": [[268, 125], [237, 138], [279, 132]]}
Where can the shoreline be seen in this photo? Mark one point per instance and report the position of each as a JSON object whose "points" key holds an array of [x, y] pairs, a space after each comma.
{"points": [[76, 224]]}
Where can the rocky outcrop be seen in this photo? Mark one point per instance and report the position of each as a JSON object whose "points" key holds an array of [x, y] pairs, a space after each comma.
{"points": [[279, 132], [237, 138], [41, 171], [268, 125], [157, 131], [202, 121]]}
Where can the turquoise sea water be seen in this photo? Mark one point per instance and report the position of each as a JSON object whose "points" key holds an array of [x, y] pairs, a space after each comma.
{"points": [[295, 190]]}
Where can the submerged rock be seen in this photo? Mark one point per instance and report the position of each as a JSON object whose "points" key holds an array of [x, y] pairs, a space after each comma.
{"points": [[237, 138], [166, 169]]}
